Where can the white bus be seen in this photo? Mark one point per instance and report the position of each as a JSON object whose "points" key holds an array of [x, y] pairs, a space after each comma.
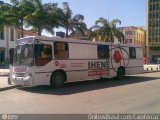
{"points": [[54, 61]]}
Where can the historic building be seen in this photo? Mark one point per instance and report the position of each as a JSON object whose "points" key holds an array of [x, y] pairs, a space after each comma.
{"points": [[134, 35], [8, 36]]}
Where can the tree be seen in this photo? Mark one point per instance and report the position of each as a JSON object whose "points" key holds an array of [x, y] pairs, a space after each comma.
{"points": [[3, 11], [106, 31], [18, 11], [53, 16], [71, 23], [43, 17]]}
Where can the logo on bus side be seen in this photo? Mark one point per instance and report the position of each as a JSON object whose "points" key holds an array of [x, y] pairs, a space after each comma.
{"points": [[99, 68], [56, 63], [60, 65], [117, 56]]}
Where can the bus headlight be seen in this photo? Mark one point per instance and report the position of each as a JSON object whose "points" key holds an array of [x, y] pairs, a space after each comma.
{"points": [[28, 74]]}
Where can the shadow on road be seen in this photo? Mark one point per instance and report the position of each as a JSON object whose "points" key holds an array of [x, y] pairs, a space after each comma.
{"points": [[7, 88], [78, 87]]}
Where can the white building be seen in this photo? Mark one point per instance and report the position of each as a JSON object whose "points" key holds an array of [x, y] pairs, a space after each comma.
{"points": [[8, 36]]}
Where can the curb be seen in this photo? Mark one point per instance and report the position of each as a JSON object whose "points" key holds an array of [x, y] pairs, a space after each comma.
{"points": [[7, 88], [4, 75], [150, 71]]}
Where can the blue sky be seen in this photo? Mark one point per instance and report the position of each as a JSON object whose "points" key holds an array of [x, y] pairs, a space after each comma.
{"points": [[130, 12]]}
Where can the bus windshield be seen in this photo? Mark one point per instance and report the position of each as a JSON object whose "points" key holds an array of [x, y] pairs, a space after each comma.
{"points": [[24, 55]]}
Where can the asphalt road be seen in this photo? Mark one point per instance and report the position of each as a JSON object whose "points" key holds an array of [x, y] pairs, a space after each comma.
{"points": [[134, 94]]}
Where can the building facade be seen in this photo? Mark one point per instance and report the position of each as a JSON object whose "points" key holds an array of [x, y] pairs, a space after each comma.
{"points": [[153, 31], [134, 35], [8, 36]]}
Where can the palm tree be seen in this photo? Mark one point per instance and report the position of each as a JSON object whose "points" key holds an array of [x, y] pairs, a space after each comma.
{"points": [[3, 11], [106, 31], [52, 12], [43, 17], [18, 11], [36, 19], [71, 23]]}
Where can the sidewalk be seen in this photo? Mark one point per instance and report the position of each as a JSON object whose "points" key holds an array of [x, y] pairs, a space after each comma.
{"points": [[4, 84], [4, 73]]}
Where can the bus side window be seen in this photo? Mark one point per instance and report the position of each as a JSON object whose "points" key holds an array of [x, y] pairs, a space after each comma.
{"points": [[43, 54], [103, 51], [61, 50], [132, 53]]}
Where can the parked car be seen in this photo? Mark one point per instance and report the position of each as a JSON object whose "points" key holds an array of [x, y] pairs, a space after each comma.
{"points": [[152, 67]]}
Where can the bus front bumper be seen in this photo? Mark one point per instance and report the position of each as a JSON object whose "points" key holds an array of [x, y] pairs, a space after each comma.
{"points": [[24, 81]]}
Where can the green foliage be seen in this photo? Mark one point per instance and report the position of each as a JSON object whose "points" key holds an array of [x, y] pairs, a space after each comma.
{"points": [[3, 12], [71, 23], [106, 31], [39, 16], [14, 14], [30, 13], [43, 17]]}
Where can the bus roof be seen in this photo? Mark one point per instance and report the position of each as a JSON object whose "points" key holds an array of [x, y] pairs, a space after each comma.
{"points": [[31, 39]]}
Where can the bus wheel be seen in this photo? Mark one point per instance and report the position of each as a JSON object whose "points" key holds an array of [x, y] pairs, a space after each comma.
{"points": [[57, 79], [120, 73]]}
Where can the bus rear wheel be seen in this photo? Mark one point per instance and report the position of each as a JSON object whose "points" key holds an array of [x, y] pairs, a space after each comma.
{"points": [[120, 73], [57, 79]]}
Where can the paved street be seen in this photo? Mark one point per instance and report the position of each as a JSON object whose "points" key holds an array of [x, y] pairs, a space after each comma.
{"points": [[134, 94]]}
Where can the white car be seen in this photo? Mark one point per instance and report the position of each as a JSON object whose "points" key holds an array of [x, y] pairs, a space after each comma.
{"points": [[152, 67]]}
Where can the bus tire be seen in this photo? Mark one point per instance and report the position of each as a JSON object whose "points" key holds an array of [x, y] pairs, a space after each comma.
{"points": [[120, 73], [57, 79]]}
